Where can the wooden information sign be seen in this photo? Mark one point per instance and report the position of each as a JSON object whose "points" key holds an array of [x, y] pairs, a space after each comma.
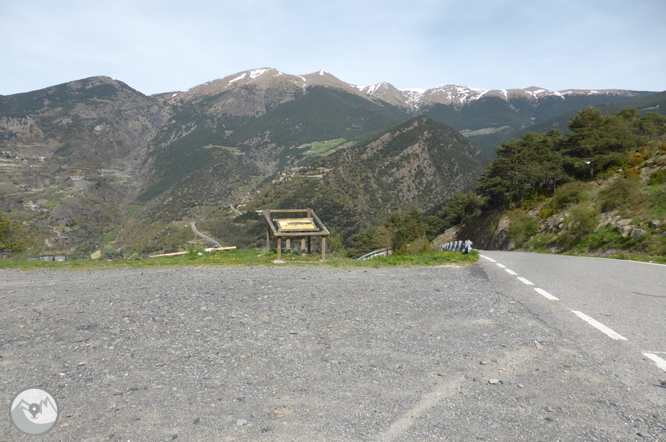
{"points": [[294, 228]]}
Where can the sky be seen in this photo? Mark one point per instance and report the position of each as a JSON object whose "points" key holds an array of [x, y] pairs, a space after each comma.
{"points": [[164, 45]]}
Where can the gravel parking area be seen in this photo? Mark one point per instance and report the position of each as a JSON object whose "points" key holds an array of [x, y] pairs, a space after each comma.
{"points": [[304, 354]]}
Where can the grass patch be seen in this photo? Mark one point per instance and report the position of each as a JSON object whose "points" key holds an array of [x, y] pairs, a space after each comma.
{"points": [[133, 208], [51, 204], [541, 242], [325, 148], [251, 257], [111, 235]]}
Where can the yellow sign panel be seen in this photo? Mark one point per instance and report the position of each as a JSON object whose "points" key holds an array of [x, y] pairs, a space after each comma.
{"points": [[296, 224]]}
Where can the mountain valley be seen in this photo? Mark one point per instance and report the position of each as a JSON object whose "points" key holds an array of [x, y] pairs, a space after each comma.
{"points": [[96, 165]]}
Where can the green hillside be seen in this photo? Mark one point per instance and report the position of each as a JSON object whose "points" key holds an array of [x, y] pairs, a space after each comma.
{"points": [[418, 163], [320, 114], [651, 103], [600, 188]]}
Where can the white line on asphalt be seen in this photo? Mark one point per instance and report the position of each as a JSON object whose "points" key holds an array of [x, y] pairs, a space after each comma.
{"points": [[599, 326], [501, 266], [657, 360], [525, 281], [489, 259], [511, 272], [546, 294]]}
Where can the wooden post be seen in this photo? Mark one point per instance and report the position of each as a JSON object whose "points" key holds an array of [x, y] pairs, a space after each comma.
{"points": [[303, 246], [309, 245], [279, 248], [288, 247], [268, 239], [323, 248]]}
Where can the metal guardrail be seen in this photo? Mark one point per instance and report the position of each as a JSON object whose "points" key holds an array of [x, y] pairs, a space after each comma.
{"points": [[458, 246], [381, 252]]}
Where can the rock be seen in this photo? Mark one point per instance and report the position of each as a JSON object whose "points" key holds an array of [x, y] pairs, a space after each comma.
{"points": [[494, 381], [637, 233], [484, 362], [623, 222], [626, 230], [448, 236], [644, 434], [655, 223], [241, 422], [520, 385]]}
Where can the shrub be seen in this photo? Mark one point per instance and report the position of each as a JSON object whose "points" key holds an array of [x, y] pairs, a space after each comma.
{"points": [[568, 194], [622, 192], [522, 227], [583, 220], [335, 244], [12, 236], [658, 177], [405, 229], [640, 155], [460, 208], [545, 213], [367, 240]]}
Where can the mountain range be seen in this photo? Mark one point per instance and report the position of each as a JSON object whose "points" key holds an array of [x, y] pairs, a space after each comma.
{"points": [[94, 164]]}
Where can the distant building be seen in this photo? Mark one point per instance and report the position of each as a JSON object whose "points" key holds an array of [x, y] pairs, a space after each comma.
{"points": [[61, 258]]}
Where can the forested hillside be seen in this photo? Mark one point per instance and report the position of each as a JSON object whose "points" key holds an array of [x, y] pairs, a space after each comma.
{"points": [[600, 188]]}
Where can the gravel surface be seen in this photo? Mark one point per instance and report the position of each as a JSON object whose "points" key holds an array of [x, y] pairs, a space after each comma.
{"points": [[305, 354]]}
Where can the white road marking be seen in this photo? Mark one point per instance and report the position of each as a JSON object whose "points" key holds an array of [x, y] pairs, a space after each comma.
{"points": [[657, 360], [524, 281], [501, 266], [599, 326], [511, 272], [430, 400], [546, 294], [489, 259]]}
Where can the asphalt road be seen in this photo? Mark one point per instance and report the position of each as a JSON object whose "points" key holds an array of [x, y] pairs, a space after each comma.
{"points": [[628, 297], [616, 308], [322, 354]]}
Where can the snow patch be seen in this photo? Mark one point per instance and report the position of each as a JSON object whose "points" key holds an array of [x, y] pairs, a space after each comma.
{"points": [[174, 95], [373, 88], [480, 92], [257, 73], [240, 77], [322, 73], [413, 96]]}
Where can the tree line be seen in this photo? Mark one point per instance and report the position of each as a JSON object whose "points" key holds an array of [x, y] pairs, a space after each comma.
{"points": [[536, 164]]}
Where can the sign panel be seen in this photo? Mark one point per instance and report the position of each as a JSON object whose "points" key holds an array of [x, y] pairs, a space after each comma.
{"points": [[296, 224]]}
